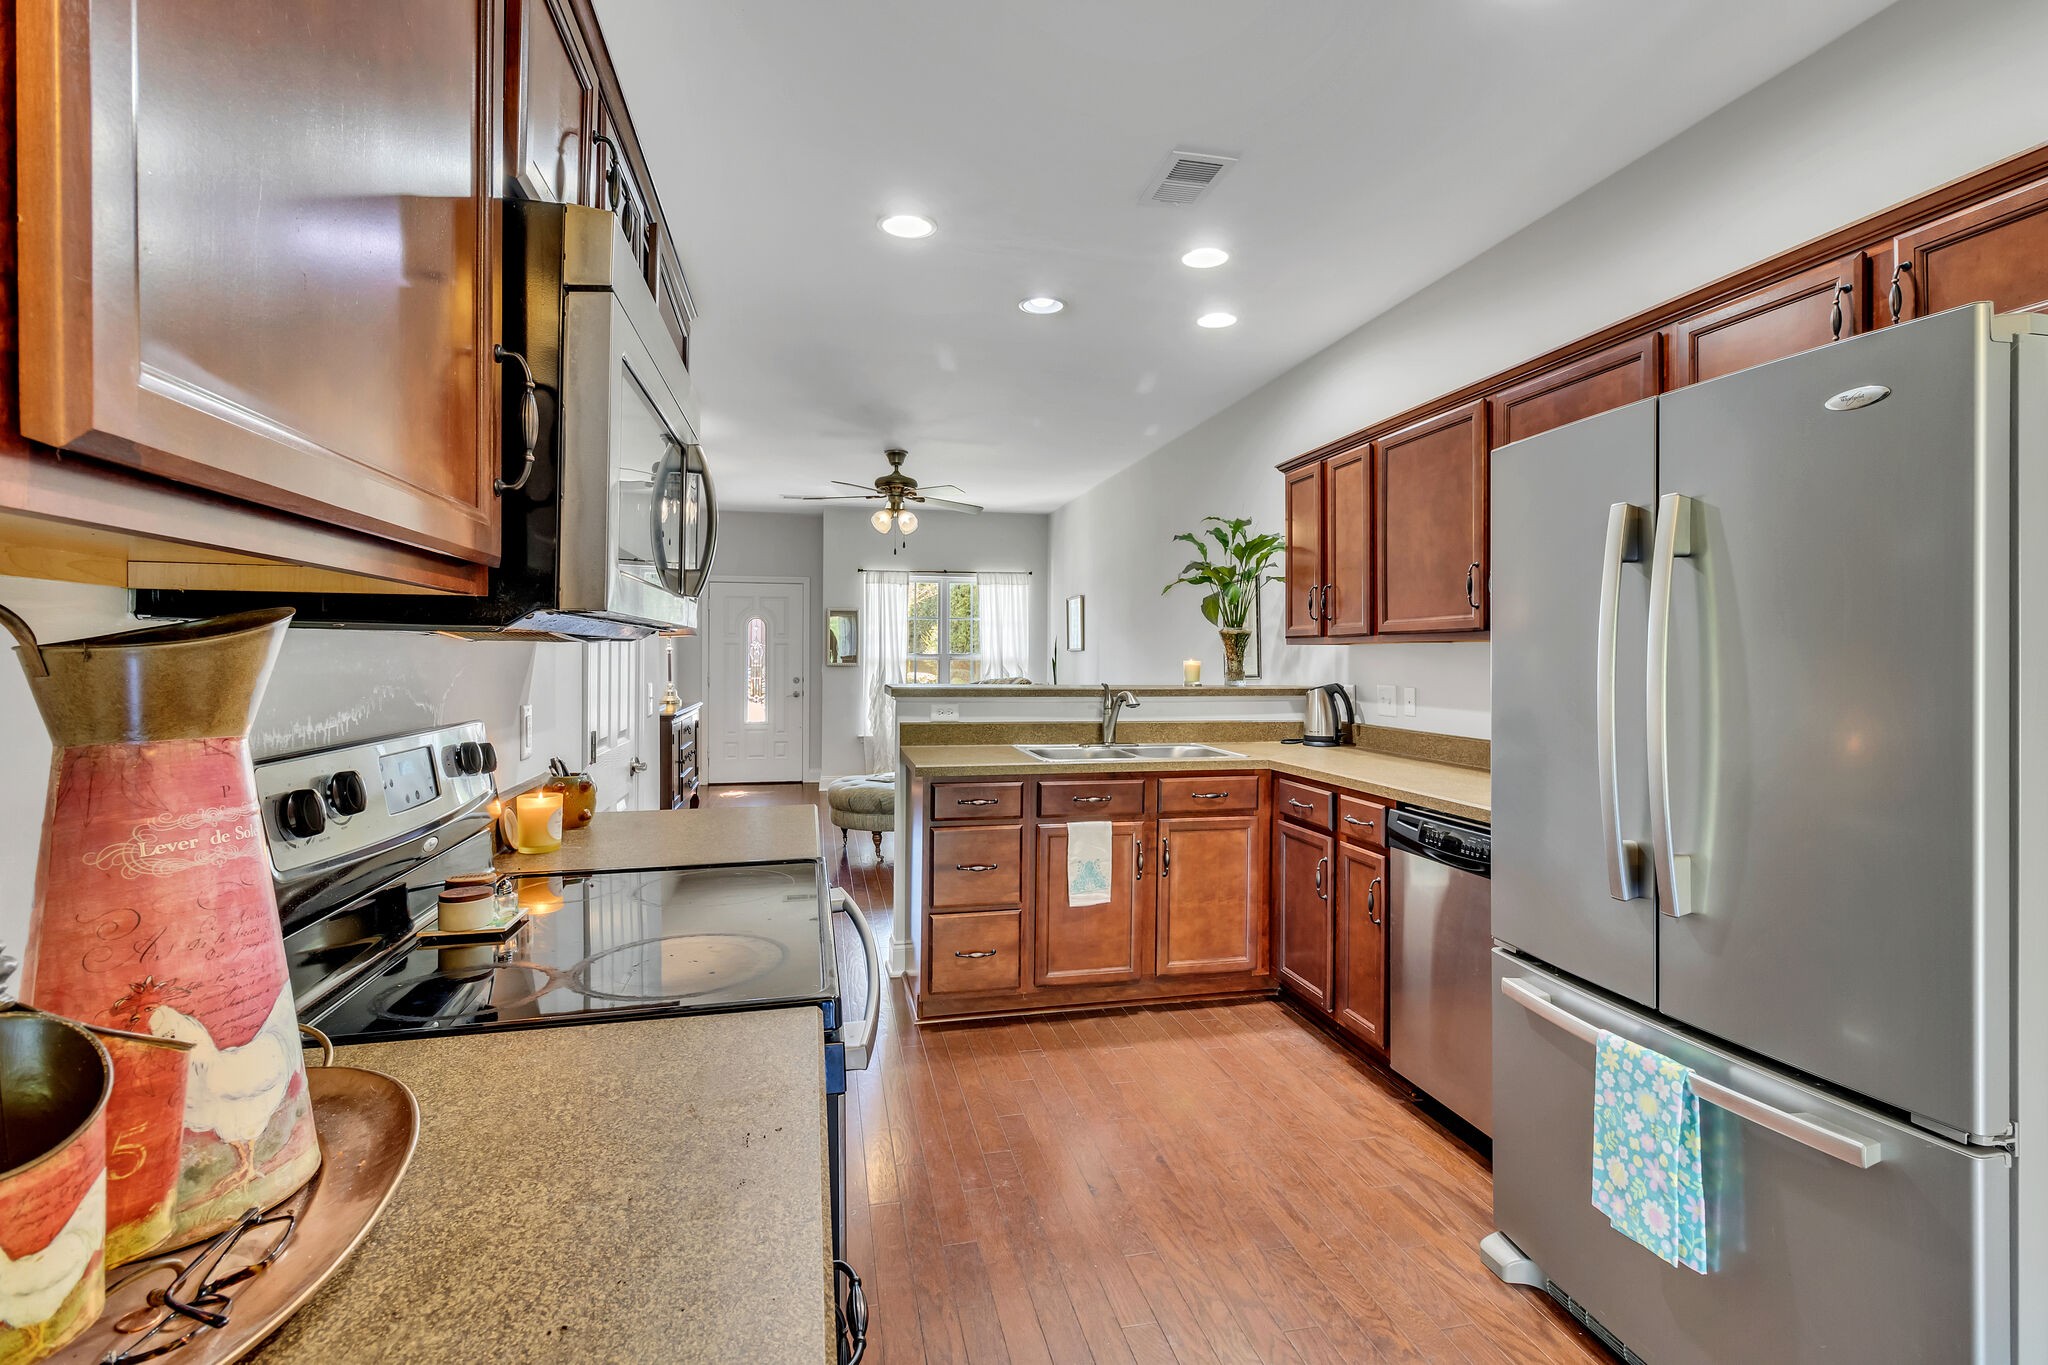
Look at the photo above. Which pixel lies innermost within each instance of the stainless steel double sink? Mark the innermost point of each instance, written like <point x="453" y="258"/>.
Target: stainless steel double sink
<point x="1120" y="753"/>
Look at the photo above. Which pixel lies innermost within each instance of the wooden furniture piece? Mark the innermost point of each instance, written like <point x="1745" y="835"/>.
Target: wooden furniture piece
<point x="1329" y="547"/>
<point x="1331" y="905"/>
<point x="1187" y="916"/>
<point x="1984" y="236"/>
<point x="677" y="745"/>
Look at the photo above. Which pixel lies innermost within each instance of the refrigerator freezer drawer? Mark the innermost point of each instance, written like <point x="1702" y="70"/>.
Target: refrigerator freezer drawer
<point x="1818" y="1256"/>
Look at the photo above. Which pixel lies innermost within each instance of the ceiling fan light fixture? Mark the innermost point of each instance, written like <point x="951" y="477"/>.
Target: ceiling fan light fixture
<point x="909" y="225"/>
<point x="880" y="520"/>
<point x="906" y="521"/>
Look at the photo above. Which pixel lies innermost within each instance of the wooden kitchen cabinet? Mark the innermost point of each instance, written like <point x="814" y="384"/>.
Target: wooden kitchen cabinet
<point x="620" y="190"/>
<point x="1093" y="944"/>
<point x="1360" y="989"/>
<point x="1212" y="894"/>
<point x="550" y="104"/>
<point x="1996" y="251"/>
<point x="1430" y="536"/>
<point x="1302" y="912"/>
<point x="1329" y="547"/>
<point x="1304" y="551"/>
<point x="1612" y="378"/>
<point x="1780" y="319"/>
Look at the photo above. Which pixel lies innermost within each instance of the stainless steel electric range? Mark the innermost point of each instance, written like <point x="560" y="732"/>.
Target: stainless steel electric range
<point x="363" y="838"/>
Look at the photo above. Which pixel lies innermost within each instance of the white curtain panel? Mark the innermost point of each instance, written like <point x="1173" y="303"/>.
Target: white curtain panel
<point x="1005" y="624"/>
<point x="884" y="645"/>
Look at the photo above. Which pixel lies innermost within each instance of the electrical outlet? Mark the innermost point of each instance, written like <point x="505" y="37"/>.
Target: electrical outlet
<point x="945" y="711"/>
<point x="526" y="732"/>
<point x="1386" y="699"/>
<point x="1407" y="701"/>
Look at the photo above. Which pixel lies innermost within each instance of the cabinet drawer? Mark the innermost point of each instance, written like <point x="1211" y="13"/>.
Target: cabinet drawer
<point x="977" y="800"/>
<point x="1092" y="798"/>
<point x="1301" y="802"/>
<point x="1208" y="795"/>
<point x="977" y="866"/>
<point x="978" y="951"/>
<point x="1362" y="820"/>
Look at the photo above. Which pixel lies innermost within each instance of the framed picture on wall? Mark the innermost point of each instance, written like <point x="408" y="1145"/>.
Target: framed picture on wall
<point x="1077" y="623"/>
<point x="842" y="638"/>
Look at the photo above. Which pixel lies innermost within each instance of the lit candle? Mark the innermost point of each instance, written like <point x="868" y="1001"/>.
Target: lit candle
<point x="540" y="895"/>
<point x="537" y="821"/>
<point x="1191" y="673"/>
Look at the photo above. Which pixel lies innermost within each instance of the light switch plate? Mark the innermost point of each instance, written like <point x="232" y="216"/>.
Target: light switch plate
<point x="526" y="731"/>
<point x="1407" y="701"/>
<point x="945" y="711"/>
<point x="1386" y="699"/>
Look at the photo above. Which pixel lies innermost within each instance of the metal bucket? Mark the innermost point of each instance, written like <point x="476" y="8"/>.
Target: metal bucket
<point x="55" y="1080"/>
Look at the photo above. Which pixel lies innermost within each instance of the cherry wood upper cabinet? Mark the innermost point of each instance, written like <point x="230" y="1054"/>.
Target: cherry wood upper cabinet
<point x="1302" y="911"/>
<point x="256" y="242"/>
<point x="1361" y="939"/>
<point x="1345" y="606"/>
<point x="550" y="104"/>
<point x="619" y="188"/>
<point x="1431" y="533"/>
<point x="1304" y="551"/>
<point x="1212" y="894"/>
<point x="1092" y="944"/>
<point x="1997" y="250"/>
<point x="1611" y="378"/>
<point x="1781" y="319"/>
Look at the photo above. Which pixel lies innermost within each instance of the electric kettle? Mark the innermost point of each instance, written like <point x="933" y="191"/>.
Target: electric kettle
<point x="1323" y="729"/>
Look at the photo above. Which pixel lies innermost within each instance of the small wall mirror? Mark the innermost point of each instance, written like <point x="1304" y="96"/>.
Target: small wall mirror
<point x="842" y="638"/>
<point x="1077" y="623"/>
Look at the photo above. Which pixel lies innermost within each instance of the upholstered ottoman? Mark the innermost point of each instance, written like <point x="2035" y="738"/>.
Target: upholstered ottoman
<point x="867" y="803"/>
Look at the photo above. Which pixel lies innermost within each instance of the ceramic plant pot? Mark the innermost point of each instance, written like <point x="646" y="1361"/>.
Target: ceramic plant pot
<point x="1233" y="654"/>
<point x="154" y="912"/>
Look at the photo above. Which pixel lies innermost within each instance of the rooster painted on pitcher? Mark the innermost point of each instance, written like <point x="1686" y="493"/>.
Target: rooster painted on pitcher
<point x="154" y="913"/>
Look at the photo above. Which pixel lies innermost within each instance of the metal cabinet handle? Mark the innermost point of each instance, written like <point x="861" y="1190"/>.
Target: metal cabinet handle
<point x="1835" y="315"/>
<point x="1808" y="1132"/>
<point x="1325" y="600"/>
<point x="985" y="952"/>
<point x="977" y="801"/>
<point x="613" y="176"/>
<point x="1208" y="796"/>
<point x="1897" y="297"/>
<point x="976" y="867"/>
<point x="1624" y="546"/>
<point x="1141" y="860"/>
<point x="1312" y="603"/>
<point x="1674" y="542"/>
<point x="1089" y="800"/>
<point x="529" y="420"/>
<point x="1471" y="574"/>
<point x="1299" y="805"/>
<point x="1165" y="856"/>
<point x="1372" y="897"/>
<point x="1354" y="820"/>
<point x="1322" y="892"/>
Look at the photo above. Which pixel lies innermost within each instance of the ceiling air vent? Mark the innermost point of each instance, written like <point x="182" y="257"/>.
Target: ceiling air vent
<point x="1185" y="177"/>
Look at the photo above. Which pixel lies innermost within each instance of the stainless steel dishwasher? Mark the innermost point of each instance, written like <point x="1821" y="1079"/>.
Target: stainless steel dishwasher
<point x="1440" y="1030"/>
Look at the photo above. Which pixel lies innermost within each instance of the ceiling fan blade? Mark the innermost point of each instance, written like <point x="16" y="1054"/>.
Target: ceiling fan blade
<point x="950" y="505"/>
<point x="832" y="497"/>
<point x="935" y="487"/>
<point x="866" y="488"/>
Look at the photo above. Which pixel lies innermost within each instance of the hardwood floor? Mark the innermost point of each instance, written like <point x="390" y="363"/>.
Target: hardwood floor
<point x="1161" y="1186"/>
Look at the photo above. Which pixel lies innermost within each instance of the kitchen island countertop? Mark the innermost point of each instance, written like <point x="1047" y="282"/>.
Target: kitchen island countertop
<point x="621" y="841"/>
<point x="646" y="1190"/>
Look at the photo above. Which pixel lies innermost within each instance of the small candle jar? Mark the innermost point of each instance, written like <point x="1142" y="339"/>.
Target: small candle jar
<point x="1191" y="673"/>
<point x="537" y="822"/>
<point x="468" y="907"/>
<point x="540" y="895"/>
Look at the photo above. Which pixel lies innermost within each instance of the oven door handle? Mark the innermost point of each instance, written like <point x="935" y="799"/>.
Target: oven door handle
<point x="857" y="1052"/>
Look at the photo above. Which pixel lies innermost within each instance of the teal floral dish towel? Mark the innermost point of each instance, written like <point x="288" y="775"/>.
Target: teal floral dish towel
<point x="1088" y="858"/>
<point x="1647" y="1176"/>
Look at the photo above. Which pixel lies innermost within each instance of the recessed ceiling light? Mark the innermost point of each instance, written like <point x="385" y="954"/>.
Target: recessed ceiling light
<point x="1041" y="304"/>
<point x="1205" y="257"/>
<point x="1216" y="320"/>
<point x="908" y="225"/>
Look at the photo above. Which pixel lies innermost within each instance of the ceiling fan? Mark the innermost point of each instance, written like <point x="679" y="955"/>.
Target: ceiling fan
<point x="894" y="488"/>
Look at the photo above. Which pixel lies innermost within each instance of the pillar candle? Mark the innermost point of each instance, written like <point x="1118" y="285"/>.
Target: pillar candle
<point x="537" y="821"/>
<point x="1191" y="672"/>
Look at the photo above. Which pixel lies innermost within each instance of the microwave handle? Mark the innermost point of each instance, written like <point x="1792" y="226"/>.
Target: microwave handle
<point x="694" y="579"/>
<point x="673" y="466"/>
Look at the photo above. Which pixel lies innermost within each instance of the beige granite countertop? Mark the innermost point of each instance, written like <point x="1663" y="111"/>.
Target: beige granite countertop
<point x="949" y="690"/>
<point x="647" y="1190"/>
<point x="1445" y="787"/>
<point x="715" y="835"/>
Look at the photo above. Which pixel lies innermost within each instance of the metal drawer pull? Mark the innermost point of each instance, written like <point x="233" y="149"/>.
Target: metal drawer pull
<point x="1847" y="1148"/>
<point x="1089" y="800"/>
<point x="1354" y="820"/>
<point x="1299" y="805"/>
<point x="1372" y="899"/>
<point x="1322" y="864"/>
<point x="977" y="801"/>
<point x="985" y="952"/>
<point x="976" y="867"/>
<point x="1209" y="796"/>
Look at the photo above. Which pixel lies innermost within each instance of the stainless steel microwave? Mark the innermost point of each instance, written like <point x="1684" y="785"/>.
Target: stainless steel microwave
<point x="608" y="512"/>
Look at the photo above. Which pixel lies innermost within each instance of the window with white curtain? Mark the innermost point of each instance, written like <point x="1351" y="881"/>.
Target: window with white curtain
<point x="944" y="643"/>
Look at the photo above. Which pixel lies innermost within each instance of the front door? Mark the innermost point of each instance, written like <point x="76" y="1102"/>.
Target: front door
<point x="754" y="688"/>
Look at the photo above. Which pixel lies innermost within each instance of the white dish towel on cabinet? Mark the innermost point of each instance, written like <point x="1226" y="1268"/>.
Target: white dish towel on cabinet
<point x="1088" y="862"/>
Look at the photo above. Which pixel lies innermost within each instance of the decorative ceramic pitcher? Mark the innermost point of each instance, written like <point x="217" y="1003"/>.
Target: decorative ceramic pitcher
<point x="154" y="911"/>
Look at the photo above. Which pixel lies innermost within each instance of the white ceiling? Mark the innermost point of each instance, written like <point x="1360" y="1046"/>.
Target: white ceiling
<point x="1383" y="143"/>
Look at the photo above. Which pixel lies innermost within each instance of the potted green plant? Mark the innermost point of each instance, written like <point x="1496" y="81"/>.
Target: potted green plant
<point x="1244" y="566"/>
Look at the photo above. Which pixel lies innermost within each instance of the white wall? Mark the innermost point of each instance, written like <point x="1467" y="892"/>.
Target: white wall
<point x="329" y="687"/>
<point x="1926" y="91"/>
<point x="989" y="543"/>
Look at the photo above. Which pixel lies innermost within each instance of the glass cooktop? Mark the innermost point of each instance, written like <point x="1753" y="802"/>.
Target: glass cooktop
<point x="610" y="945"/>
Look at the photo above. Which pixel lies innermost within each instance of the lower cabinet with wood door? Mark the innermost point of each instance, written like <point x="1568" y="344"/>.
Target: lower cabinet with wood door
<point x="1331" y="907"/>
<point x="1186" y="914"/>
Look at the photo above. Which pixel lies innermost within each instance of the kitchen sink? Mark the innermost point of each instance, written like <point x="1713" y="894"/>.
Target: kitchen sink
<point x="1119" y="753"/>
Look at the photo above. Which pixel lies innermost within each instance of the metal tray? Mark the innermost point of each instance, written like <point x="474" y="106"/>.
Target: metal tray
<point x="368" y="1124"/>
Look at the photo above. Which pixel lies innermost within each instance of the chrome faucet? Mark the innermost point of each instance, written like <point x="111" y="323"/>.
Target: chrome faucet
<point x="1113" y="704"/>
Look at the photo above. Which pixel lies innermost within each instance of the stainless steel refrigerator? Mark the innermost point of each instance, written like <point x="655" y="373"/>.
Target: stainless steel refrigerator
<point x="1768" y="674"/>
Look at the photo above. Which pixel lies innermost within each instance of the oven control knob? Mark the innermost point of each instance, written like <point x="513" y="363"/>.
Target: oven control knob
<point x="490" y="753"/>
<point x="346" y="793"/>
<point x="300" y="813"/>
<point x="469" y="758"/>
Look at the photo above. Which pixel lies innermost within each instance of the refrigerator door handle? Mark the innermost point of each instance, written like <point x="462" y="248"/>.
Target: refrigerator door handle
<point x="1624" y="546"/>
<point x="1847" y="1148"/>
<point x="1673" y="543"/>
